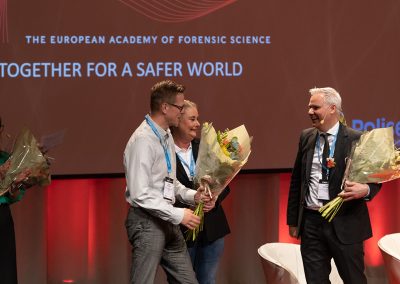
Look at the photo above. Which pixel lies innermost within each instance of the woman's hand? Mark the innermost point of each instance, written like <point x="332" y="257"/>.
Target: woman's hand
<point x="18" y="181"/>
<point x="4" y="168"/>
<point x="209" y="205"/>
<point x="22" y="176"/>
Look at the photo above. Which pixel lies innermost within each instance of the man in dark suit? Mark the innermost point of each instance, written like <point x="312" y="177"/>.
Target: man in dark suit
<point x="316" y="178"/>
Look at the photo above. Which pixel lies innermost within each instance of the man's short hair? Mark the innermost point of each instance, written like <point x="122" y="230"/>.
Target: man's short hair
<point x="330" y="95"/>
<point x="164" y="92"/>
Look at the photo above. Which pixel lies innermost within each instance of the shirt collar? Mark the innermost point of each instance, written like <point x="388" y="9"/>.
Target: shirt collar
<point x="180" y="150"/>
<point x="332" y="131"/>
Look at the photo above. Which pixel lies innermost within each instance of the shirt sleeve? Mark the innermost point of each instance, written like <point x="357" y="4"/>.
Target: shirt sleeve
<point x="143" y="188"/>
<point x="184" y="194"/>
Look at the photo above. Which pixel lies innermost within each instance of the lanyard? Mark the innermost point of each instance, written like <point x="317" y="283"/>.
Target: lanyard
<point x="331" y="150"/>
<point x="166" y="151"/>
<point x="192" y="165"/>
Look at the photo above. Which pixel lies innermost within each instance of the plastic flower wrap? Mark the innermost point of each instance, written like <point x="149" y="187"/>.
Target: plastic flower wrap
<point x="374" y="159"/>
<point x="26" y="156"/>
<point x="221" y="156"/>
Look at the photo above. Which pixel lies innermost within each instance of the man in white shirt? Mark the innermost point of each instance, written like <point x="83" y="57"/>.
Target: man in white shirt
<point x="152" y="188"/>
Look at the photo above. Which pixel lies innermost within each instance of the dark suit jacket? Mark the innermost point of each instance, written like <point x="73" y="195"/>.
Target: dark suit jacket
<point x="352" y="223"/>
<point x="215" y="223"/>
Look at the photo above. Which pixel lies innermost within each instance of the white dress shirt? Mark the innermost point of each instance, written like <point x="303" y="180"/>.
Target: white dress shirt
<point x="146" y="169"/>
<point x="186" y="155"/>
<point x="312" y="200"/>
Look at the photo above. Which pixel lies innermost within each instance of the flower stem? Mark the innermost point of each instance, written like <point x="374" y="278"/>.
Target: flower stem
<point x="193" y="233"/>
<point x="330" y="209"/>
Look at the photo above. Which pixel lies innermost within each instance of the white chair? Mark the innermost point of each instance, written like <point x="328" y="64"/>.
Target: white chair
<point x="389" y="246"/>
<point x="282" y="263"/>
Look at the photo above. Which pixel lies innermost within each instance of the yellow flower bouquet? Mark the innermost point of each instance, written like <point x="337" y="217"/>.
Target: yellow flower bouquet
<point x="221" y="156"/>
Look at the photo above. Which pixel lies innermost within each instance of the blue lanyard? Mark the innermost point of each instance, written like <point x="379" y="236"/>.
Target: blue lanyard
<point x="192" y="165"/>
<point x="166" y="152"/>
<point x="331" y="150"/>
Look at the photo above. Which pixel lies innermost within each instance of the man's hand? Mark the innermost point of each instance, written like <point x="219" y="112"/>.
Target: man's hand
<point x="189" y="219"/>
<point x="354" y="190"/>
<point x="293" y="232"/>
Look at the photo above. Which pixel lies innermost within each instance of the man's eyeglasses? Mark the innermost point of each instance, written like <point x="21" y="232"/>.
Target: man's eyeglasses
<point x="178" y="107"/>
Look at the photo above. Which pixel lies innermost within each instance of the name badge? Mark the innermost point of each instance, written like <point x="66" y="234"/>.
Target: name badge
<point x="323" y="190"/>
<point x="169" y="189"/>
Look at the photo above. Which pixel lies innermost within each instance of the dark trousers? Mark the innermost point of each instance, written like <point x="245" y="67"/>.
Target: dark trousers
<point x="319" y="244"/>
<point x="8" y="260"/>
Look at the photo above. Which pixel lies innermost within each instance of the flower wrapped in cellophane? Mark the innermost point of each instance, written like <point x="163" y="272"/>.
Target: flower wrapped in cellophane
<point x="221" y="156"/>
<point x="26" y="157"/>
<point x="374" y="159"/>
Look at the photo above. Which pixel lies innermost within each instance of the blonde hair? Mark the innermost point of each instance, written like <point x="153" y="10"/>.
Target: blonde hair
<point x="188" y="104"/>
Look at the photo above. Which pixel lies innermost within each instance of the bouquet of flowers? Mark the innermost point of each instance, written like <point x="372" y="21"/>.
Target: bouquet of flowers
<point x="26" y="156"/>
<point x="221" y="156"/>
<point x="373" y="159"/>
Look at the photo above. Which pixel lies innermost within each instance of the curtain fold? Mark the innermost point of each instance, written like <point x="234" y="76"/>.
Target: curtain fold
<point x="74" y="230"/>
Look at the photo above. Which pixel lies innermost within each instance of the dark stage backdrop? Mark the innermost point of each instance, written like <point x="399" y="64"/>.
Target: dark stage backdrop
<point x="82" y="70"/>
<point x="73" y="231"/>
